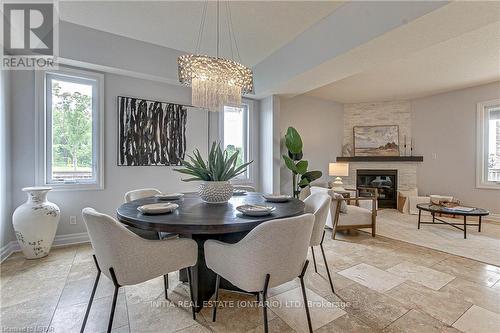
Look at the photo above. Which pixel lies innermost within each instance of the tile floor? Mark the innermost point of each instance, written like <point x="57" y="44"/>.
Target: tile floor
<point x="382" y="285"/>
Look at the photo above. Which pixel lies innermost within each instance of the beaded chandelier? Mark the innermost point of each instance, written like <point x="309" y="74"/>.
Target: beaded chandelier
<point x="215" y="81"/>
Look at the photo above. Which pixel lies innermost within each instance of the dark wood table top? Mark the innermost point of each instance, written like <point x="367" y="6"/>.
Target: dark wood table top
<point x="440" y="209"/>
<point x="196" y="217"/>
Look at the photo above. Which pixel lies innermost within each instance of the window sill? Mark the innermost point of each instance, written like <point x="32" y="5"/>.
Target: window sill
<point x="75" y="187"/>
<point x="488" y="186"/>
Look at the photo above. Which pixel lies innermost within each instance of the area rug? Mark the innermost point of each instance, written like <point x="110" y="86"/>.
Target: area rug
<point x="483" y="246"/>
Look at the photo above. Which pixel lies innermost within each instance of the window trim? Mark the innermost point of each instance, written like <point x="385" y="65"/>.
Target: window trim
<point x="42" y="131"/>
<point x="251" y="178"/>
<point x="482" y="139"/>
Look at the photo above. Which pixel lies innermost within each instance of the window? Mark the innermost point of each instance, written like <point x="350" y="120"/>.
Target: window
<point x="71" y="130"/>
<point x="235" y="135"/>
<point x="488" y="157"/>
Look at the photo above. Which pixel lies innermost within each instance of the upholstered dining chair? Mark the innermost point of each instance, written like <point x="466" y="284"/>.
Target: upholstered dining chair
<point x="148" y="234"/>
<point x="247" y="188"/>
<point x="271" y="254"/>
<point x="140" y="194"/>
<point x="319" y="205"/>
<point x="129" y="259"/>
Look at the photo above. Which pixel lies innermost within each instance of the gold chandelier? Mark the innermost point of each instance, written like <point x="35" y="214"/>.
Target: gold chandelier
<point x="215" y="81"/>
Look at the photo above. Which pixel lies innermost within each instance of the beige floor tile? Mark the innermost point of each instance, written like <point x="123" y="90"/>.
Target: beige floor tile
<point x="79" y="291"/>
<point x="488" y="298"/>
<point x="415" y="321"/>
<point x="443" y="305"/>
<point x="425" y="276"/>
<point x="283" y="288"/>
<point x="470" y="270"/>
<point x="235" y="313"/>
<point x="197" y="328"/>
<point x="373" y="308"/>
<point x="318" y="282"/>
<point x="28" y="315"/>
<point x="275" y="325"/>
<point x="146" y="291"/>
<point x="289" y="306"/>
<point x="70" y="318"/>
<point x="40" y="269"/>
<point x="84" y="253"/>
<point x="347" y="324"/>
<point x="478" y="320"/>
<point x="26" y="288"/>
<point x="372" y="277"/>
<point x="123" y="329"/>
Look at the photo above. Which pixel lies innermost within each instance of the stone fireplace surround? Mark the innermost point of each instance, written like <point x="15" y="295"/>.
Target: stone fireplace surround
<point x="381" y="113"/>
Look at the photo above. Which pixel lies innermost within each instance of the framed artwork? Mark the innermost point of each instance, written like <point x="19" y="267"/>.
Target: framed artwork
<point x="155" y="133"/>
<point x="376" y="140"/>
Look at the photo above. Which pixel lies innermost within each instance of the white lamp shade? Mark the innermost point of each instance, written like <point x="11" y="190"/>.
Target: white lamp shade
<point x="338" y="169"/>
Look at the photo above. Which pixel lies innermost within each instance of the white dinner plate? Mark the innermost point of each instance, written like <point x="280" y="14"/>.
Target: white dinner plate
<point x="239" y="192"/>
<point x="276" y="197"/>
<point x="169" y="196"/>
<point x="158" y="208"/>
<point x="255" y="210"/>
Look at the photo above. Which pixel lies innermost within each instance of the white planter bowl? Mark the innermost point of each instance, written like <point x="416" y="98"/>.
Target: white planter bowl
<point x="215" y="192"/>
<point x="35" y="223"/>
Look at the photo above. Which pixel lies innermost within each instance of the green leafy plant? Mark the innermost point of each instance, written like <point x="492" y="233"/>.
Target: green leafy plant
<point x="220" y="166"/>
<point x="294" y="162"/>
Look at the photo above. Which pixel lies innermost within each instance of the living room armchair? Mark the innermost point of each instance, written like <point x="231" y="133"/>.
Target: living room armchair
<point x="355" y="217"/>
<point x="343" y="216"/>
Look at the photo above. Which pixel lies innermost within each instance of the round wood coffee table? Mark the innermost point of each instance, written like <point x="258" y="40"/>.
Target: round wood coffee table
<point x="201" y="221"/>
<point x="435" y="209"/>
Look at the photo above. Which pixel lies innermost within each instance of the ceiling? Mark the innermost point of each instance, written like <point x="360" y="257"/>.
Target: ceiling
<point x="261" y="27"/>
<point x="467" y="60"/>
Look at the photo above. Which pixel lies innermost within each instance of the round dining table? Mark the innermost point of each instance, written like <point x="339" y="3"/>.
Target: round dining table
<point x="201" y="221"/>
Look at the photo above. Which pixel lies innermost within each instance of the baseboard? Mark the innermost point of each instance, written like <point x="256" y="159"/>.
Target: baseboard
<point x="59" y="240"/>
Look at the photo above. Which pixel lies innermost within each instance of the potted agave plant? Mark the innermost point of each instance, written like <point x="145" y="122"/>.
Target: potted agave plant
<point x="214" y="173"/>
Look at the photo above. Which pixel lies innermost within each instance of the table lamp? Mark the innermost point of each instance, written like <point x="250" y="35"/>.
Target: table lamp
<point x="338" y="170"/>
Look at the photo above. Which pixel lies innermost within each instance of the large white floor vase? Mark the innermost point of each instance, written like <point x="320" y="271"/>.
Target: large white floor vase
<point x="216" y="192"/>
<point x="35" y="223"/>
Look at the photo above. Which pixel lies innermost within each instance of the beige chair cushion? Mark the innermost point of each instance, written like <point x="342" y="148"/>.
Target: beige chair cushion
<point x="304" y="193"/>
<point x="414" y="201"/>
<point x="355" y="216"/>
<point x="277" y="247"/>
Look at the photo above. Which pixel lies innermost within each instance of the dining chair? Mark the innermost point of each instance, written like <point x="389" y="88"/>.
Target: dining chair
<point x="129" y="259"/>
<point x="247" y="188"/>
<point x="273" y="253"/>
<point x="153" y="235"/>
<point x="319" y="205"/>
<point x="140" y="194"/>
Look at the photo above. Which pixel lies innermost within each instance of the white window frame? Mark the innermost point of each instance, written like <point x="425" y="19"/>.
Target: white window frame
<point x="250" y="177"/>
<point x="482" y="146"/>
<point x="43" y="131"/>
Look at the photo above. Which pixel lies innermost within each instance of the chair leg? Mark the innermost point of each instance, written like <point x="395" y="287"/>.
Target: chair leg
<point x="91" y="295"/>
<point x="314" y="260"/>
<point x="115" y="295"/>
<point x="190" y="282"/>
<point x="165" y="284"/>
<point x="214" y="309"/>
<point x="304" y="296"/>
<point x="264" y="303"/>
<point x="327" y="269"/>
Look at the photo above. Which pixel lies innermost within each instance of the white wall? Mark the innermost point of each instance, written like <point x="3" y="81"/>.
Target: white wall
<point x="118" y="180"/>
<point x="269" y="143"/>
<point x="445" y="125"/>
<point x="320" y="124"/>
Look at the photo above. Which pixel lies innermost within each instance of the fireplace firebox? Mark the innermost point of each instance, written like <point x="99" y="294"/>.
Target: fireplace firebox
<point x="385" y="181"/>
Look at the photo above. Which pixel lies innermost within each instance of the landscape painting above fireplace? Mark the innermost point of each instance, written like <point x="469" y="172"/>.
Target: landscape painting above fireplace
<point x="376" y="140"/>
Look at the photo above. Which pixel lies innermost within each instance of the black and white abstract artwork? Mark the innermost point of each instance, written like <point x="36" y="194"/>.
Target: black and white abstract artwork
<point x="151" y="132"/>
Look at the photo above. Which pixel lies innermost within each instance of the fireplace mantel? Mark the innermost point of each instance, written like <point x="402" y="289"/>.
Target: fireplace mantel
<point x="380" y="159"/>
